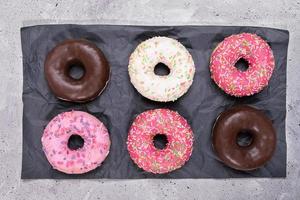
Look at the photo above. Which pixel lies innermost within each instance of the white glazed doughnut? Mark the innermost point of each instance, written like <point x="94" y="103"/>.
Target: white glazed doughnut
<point x="169" y="52"/>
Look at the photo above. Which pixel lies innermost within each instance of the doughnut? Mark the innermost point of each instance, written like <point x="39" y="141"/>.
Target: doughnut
<point x="169" y="52"/>
<point x="80" y="124"/>
<point x="251" y="48"/>
<point x="140" y="142"/>
<point x="243" y="119"/>
<point x="82" y="53"/>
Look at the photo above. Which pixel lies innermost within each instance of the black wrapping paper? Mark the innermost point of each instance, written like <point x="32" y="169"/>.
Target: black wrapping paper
<point x="120" y="103"/>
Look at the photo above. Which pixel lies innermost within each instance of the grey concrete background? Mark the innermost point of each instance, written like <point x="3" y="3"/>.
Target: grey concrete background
<point x="14" y="14"/>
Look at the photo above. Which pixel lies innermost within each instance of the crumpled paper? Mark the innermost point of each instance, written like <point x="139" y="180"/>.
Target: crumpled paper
<point x="120" y="103"/>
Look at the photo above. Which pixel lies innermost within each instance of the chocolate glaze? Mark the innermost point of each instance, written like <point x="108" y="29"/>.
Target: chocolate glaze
<point x="225" y="132"/>
<point x="76" y="52"/>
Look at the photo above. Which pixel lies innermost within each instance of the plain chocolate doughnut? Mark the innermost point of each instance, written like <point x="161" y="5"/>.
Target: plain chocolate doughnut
<point x="76" y="52"/>
<point x="226" y="130"/>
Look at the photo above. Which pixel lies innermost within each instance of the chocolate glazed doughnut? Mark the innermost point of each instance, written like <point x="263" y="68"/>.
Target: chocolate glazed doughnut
<point x="238" y="120"/>
<point x="81" y="53"/>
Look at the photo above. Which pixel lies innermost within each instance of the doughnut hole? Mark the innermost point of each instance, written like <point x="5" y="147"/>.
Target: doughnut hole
<point x="160" y="141"/>
<point x="242" y="65"/>
<point x="75" y="142"/>
<point x="76" y="70"/>
<point x="161" y="69"/>
<point x="244" y="138"/>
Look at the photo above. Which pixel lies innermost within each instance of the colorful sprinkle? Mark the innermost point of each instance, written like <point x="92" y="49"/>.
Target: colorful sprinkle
<point x="161" y="50"/>
<point x="160" y="121"/>
<point x="95" y="148"/>
<point x="251" y="48"/>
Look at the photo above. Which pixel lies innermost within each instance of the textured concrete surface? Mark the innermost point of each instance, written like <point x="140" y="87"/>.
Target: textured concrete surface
<point x="14" y="14"/>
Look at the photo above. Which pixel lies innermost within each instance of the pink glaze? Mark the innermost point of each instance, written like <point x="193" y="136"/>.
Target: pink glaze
<point x="91" y="155"/>
<point x="253" y="49"/>
<point x="160" y="121"/>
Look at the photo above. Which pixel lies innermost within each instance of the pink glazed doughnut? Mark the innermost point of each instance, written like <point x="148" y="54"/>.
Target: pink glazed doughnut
<point x="160" y="121"/>
<point x="253" y="49"/>
<point x="89" y="156"/>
